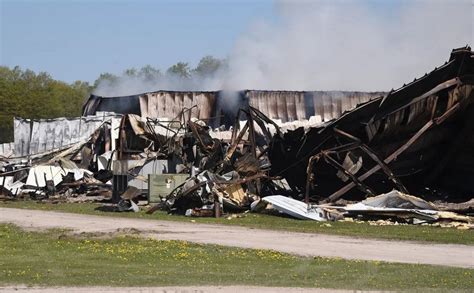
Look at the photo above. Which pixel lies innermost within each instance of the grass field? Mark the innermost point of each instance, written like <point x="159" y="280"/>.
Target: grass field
<point x="401" y="232"/>
<point x="55" y="258"/>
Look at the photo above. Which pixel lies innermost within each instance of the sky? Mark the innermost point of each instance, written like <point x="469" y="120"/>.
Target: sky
<point x="77" y="40"/>
<point x="299" y="44"/>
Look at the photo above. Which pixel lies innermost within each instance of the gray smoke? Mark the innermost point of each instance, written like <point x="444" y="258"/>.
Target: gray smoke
<point x="334" y="45"/>
<point x="344" y="45"/>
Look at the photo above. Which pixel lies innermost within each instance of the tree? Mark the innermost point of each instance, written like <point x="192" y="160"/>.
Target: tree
<point x="131" y="72"/>
<point x="208" y="66"/>
<point x="149" y="73"/>
<point x="107" y="77"/>
<point x="180" y="69"/>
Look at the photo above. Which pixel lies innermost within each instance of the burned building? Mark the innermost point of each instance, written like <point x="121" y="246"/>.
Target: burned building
<point x="202" y="153"/>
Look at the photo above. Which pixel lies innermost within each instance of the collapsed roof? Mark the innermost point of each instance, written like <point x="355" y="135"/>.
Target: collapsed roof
<point x="417" y="137"/>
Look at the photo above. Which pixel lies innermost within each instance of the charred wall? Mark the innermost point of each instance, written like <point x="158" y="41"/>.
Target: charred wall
<point x="220" y="107"/>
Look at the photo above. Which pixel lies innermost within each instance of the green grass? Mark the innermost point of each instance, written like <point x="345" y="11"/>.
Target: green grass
<point x="402" y="232"/>
<point x="55" y="258"/>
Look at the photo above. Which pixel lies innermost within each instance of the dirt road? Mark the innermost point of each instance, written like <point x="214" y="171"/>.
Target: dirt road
<point x="304" y="244"/>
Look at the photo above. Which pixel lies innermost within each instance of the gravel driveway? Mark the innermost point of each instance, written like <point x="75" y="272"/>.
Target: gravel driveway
<point x="304" y="244"/>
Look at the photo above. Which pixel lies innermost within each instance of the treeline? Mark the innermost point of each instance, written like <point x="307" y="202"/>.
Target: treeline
<point x="26" y="94"/>
<point x="207" y="67"/>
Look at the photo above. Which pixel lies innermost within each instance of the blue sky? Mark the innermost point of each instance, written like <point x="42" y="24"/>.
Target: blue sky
<point x="77" y="40"/>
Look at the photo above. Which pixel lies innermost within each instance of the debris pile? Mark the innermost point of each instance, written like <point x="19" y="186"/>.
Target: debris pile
<point x="226" y="175"/>
<point x="322" y="156"/>
<point x="62" y="172"/>
<point x="402" y="208"/>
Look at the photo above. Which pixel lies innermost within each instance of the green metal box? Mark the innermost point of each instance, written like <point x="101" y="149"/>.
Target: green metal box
<point x="160" y="185"/>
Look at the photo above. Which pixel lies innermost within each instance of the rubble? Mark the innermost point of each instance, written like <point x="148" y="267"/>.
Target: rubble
<point x="403" y="207"/>
<point x="197" y="154"/>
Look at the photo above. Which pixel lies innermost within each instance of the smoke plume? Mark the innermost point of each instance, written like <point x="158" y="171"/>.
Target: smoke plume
<point x="334" y="45"/>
